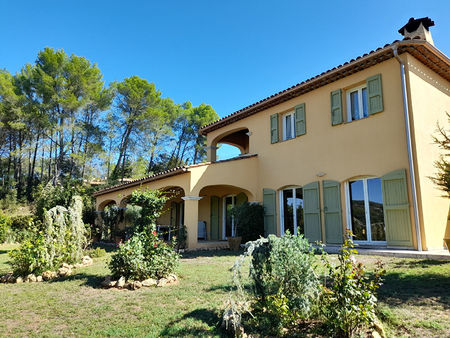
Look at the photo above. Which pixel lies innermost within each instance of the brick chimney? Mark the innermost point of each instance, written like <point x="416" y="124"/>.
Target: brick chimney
<point x="417" y="29"/>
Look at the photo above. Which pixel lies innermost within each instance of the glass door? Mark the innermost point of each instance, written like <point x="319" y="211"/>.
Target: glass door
<point x="228" y="219"/>
<point x="292" y="211"/>
<point x="366" y="211"/>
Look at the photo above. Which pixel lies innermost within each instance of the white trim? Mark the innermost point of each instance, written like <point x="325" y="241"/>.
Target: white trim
<point x="192" y="198"/>
<point x="360" y="102"/>
<point x="224" y="216"/>
<point x="366" y="211"/>
<point x="283" y="123"/>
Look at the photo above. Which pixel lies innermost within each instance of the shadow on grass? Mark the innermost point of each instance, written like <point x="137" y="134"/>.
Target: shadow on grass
<point x="109" y="247"/>
<point x="2" y="252"/>
<point x="94" y="281"/>
<point x="185" y="325"/>
<point x="425" y="263"/>
<point x="210" y="253"/>
<point x="420" y="289"/>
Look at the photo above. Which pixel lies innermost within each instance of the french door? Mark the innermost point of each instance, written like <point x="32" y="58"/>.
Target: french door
<point x="228" y="220"/>
<point x="365" y="212"/>
<point x="291" y="210"/>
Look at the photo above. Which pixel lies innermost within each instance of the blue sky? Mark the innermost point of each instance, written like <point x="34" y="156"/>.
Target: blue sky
<point x="228" y="54"/>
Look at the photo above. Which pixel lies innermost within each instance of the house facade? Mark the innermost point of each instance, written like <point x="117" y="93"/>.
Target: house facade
<point x="351" y="148"/>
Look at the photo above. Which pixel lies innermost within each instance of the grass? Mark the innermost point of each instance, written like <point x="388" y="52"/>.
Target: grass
<point x="414" y="301"/>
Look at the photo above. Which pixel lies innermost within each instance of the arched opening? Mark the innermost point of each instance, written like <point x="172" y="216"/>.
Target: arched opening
<point x="230" y="144"/>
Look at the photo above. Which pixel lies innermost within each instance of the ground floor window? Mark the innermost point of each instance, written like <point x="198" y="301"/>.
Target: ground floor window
<point x="291" y="207"/>
<point x="365" y="210"/>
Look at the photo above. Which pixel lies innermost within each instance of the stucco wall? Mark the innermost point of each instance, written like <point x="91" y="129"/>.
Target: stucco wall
<point x="373" y="146"/>
<point x="429" y="102"/>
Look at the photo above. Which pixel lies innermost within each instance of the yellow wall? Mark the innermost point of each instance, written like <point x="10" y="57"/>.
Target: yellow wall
<point x="373" y="146"/>
<point x="429" y="101"/>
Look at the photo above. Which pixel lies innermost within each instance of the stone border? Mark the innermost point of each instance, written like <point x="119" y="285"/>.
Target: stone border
<point x="130" y="284"/>
<point x="65" y="270"/>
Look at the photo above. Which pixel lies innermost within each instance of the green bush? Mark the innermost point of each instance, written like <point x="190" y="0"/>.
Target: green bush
<point x="283" y="286"/>
<point x="62" y="240"/>
<point x="5" y="226"/>
<point x="96" y="253"/>
<point x="144" y="256"/>
<point x="349" y="303"/>
<point x="152" y="203"/>
<point x="249" y="219"/>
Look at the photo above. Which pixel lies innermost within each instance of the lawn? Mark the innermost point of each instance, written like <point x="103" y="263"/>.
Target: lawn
<point x="415" y="301"/>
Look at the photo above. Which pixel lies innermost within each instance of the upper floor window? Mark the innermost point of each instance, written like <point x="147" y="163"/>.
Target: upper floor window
<point x="288" y="126"/>
<point x="357" y="103"/>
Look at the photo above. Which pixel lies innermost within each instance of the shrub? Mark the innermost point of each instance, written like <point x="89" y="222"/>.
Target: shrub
<point x="249" y="220"/>
<point x="349" y="303"/>
<point x="62" y="239"/>
<point x="96" y="253"/>
<point x="144" y="256"/>
<point x="152" y="203"/>
<point x="283" y="286"/>
<point x="111" y="217"/>
<point x="5" y="226"/>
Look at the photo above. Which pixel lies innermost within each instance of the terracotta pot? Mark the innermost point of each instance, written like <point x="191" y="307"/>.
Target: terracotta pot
<point x="234" y="243"/>
<point x="447" y="242"/>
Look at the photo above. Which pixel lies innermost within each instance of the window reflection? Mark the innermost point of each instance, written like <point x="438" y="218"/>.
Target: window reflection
<point x="358" y="211"/>
<point x="293" y="220"/>
<point x="376" y="209"/>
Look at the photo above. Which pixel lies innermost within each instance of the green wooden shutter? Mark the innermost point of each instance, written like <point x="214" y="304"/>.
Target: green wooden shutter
<point x="173" y="213"/>
<point x="332" y="212"/>
<point x="274" y="128"/>
<point x="214" y="219"/>
<point x="396" y="209"/>
<point x="300" y="120"/>
<point x="311" y="212"/>
<point x="270" y="212"/>
<point x="241" y="198"/>
<point x="374" y="94"/>
<point x="336" y="107"/>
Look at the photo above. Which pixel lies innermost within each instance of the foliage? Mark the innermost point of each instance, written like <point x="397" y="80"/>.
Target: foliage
<point x="442" y="177"/>
<point x="5" y="226"/>
<point x="152" y="203"/>
<point x="132" y="214"/>
<point x="283" y="286"/>
<point x="96" y="253"/>
<point x="349" y="303"/>
<point x="62" y="239"/>
<point x="249" y="221"/>
<point x="23" y="227"/>
<point x="111" y="218"/>
<point x="144" y="256"/>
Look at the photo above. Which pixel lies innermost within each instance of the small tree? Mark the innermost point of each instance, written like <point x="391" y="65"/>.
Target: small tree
<point x="152" y="203"/>
<point x="249" y="221"/>
<point x="442" y="177"/>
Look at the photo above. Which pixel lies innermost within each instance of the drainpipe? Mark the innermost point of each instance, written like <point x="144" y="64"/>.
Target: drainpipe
<point x="412" y="175"/>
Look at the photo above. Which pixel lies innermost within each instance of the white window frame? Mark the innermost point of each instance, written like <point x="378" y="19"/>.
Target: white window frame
<point x="360" y="102"/>
<point x="292" y="117"/>
<point x="282" y="208"/>
<point x="367" y="211"/>
<point x="224" y="216"/>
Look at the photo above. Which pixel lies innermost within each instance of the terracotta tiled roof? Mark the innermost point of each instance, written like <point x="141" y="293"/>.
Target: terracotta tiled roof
<point x="420" y="49"/>
<point x="164" y="174"/>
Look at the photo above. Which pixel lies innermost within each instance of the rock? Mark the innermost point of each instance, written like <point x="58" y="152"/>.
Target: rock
<point x="7" y="278"/>
<point x="31" y="278"/>
<point x="374" y="334"/>
<point x="67" y="266"/>
<point x="64" y="271"/>
<point x="172" y="277"/>
<point x="86" y="261"/>
<point x="149" y="282"/>
<point x="39" y="279"/>
<point x="121" y="282"/>
<point x="162" y="282"/>
<point x="49" y="275"/>
<point x="19" y="280"/>
<point x="134" y="285"/>
<point x="378" y="326"/>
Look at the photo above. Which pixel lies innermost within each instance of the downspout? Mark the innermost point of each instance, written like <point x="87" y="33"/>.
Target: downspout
<point x="412" y="175"/>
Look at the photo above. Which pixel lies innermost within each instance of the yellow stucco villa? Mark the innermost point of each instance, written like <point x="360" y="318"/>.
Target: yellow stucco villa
<point x="350" y="148"/>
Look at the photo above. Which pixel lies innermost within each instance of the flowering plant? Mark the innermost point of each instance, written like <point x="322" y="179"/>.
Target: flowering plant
<point x="144" y="256"/>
